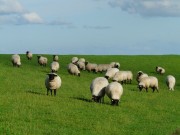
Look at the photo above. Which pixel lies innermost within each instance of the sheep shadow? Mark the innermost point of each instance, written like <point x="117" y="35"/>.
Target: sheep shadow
<point x="34" y="92"/>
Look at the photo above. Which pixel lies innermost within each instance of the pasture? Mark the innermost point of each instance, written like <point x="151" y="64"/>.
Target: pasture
<point x="26" y="109"/>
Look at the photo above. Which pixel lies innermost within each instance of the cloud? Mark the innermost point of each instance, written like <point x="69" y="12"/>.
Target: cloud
<point x="149" y="8"/>
<point x="12" y="12"/>
<point x="96" y="27"/>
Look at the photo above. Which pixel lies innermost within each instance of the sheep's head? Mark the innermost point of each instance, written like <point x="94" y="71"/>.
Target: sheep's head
<point x="107" y="77"/>
<point x="27" y="52"/>
<point x="96" y="98"/>
<point x="51" y="76"/>
<point x="140" y="73"/>
<point x="38" y="56"/>
<point x="140" y="86"/>
<point x="114" y="102"/>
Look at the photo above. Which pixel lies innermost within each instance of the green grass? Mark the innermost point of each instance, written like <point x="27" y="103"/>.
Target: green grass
<point x="26" y="109"/>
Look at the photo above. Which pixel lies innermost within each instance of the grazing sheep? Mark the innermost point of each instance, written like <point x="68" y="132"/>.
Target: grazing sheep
<point x="42" y="60"/>
<point x="97" y="88"/>
<point x="52" y="83"/>
<point x="81" y="65"/>
<point x="147" y="82"/>
<point x="16" y="60"/>
<point x="54" y="66"/>
<point x="117" y="65"/>
<point x="55" y="58"/>
<point x="114" y="91"/>
<point x="74" y="60"/>
<point x="140" y="75"/>
<point x="111" y="72"/>
<point x="90" y="66"/>
<point x="160" y="70"/>
<point x="170" y="81"/>
<point x="123" y="77"/>
<point x="73" y="69"/>
<point x="103" y="67"/>
<point x="29" y="55"/>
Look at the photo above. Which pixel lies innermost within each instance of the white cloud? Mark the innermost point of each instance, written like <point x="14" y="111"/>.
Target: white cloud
<point x="149" y="8"/>
<point x="12" y="12"/>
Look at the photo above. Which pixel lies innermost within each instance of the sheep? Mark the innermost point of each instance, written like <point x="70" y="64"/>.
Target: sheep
<point x="42" y="60"/>
<point x="160" y="70"/>
<point x="147" y="82"/>
<point x="115" y="64"/>
<point x="170" y="82"/>
<point x="114" y="91"/>
<point x="123" y="77"/>
<point x="103" y="67"/>
<point x="82" y="60"/>
<point x="74" y="60"/>
<point x="81" y="65"/>
<point x="73" y="69"/>
<point x="90" y="66"/>
<point x="110" y="73"/>
<point x="29" y="55"/>
<point x="140" y="75"/>
<point x="52" y="83"/>
<point x="97" y="88"/>
<point x="55" y="58"/>
<point x="54" y="66"/>
<point x="16" y="60"/>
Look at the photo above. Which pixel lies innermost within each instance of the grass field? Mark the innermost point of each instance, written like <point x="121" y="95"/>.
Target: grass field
<point x="25" y="109"/>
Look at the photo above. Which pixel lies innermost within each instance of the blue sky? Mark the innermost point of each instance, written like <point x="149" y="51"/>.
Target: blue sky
<point x="90" y="26"/>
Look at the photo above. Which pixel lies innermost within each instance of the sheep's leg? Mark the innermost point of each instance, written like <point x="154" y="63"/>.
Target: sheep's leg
<point x="51" y="92"/>
<point x="47" y="91"/>
<point x="146" y="89"/>
<point x="54" y="92"/>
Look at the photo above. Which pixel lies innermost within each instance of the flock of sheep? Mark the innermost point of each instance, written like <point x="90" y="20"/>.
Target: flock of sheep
<point x="100" y="85"/>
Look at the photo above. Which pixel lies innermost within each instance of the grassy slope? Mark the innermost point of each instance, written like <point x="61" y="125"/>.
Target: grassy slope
<point x="25" y="108"/>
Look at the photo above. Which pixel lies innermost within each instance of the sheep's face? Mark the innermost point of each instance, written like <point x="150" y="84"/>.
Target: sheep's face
<point x="140" y="86"/>
<point x="140" y="73"/>
<point x="27" y="52"/>
<point x="107" y="77"/>
<point x="38" y="57"/>
<point x="96" y="98"/>
<point x="114" y="102"/>
<point x="51" y="76"/>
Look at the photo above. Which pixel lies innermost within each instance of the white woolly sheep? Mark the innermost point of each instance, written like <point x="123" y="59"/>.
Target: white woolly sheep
<point x="52" y="83"/>
<point x="140" y="75"/>
<point x="74" y="60"/>
<point x="160" y="70"/>
<point x="55" y="58"/>
<point x="148" y="82"/>
<point x="97" y="88"/>
<point x="29" y="55"/>
<point x="90" y="66"/>
<point x="42" y="60"/>
<point x="81" y="65"/>
<point x="103" y="67"/>
<point x="54" y="66"/>
<point x="111" y="72"/>
<point x="73" y="69"/>
<point x="114" y="91"/>
<point x="123" y="77"/>
<point x="16" y="60"/>
<point x="170" y="81"/>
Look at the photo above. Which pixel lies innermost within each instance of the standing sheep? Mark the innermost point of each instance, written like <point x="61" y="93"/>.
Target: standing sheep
<point x="140" y="75"/>
<point x="73" y="69"/>
<point x="160" y="70"/>
<point x="111" y="72"/>
<point x="42" y="60"/>
<point x="55" y="58"/>
<point x="114" y="91"/>
<point x="16" y="60"/>
<point x="90" y="66"/>
<point x="147" y="82"/>
<point x="170" y="81"/>
<point x="123" y="77"/>
<point x="29" y="55"/>
<point x="54" y="66"/>
<point x="52" y="83"/>
<point x="97" y="88"/>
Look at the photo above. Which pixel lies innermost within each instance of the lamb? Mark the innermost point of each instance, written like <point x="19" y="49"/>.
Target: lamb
<point x="74" y="60"/>
<point x="52" y="83"/>
<point x="123" y="77"/>
<point x="16" y="60"/>
<point x="42" y="60"/>
<point x="97" y="88"/>
<point x="170" y="81"/>
<point x="160" y="70"/>
<point x="140" y="75"/>
<point x="111" y="72"/>
<point x="54" y="66"/>
<point x="55" y="58"/>
<point x="29" y="55"/>
<point x="90" y="66"/>
<point x="147" y="82"/>
<point x="73" y="69"/>
<point x="114" y="91"/>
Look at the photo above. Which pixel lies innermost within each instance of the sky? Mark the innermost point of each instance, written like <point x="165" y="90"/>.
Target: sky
<point x="97" y="27"/>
